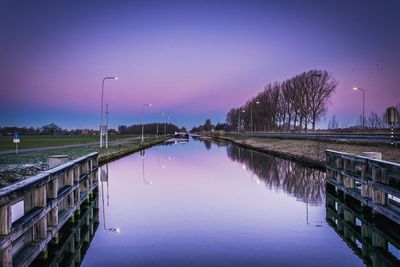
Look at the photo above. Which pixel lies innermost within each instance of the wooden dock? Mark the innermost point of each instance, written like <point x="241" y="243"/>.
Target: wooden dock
<point x="34" y="210"/>
<point x="374" y="183"/>
<point x="376" y="242"/>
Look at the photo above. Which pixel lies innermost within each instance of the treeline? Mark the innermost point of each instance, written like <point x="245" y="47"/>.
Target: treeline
<point x="48" y="129"/>
<point x="208" y="127"/>
<point x="294" y="104"/>
<point x="372" y="121"/>
<point x="150" y="128"/>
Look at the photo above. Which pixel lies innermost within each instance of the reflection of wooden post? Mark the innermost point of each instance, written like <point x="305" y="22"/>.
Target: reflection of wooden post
<point x="378" y="197"/>
<point x="379" y="241"/>
<point x="366" y="191"/>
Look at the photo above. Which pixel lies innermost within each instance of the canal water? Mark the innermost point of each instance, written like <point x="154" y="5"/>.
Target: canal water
<point x="208" y="203"/>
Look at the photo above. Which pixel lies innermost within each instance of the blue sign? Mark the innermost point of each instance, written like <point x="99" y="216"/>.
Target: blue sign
<point x="16" y="135"/>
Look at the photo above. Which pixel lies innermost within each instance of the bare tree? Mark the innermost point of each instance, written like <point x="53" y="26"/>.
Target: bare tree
<point x="320" y="89"/>
<point x="301" y="100"/>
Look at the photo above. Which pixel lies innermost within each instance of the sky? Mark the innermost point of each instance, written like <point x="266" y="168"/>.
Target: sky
<point x="191" y="60"/>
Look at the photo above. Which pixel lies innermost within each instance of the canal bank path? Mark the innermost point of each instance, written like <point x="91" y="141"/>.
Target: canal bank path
<point x="308" y="152"/>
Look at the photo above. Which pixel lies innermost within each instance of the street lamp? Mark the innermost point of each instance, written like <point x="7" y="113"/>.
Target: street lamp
<point x="239" y="120"/>
<point x="165" y="127"/>
<point x="251" y="114"/>
<point x="363" y="91"/>
<point x="145" y="105"/>
<point x="101" y="113"/>
<point x="162" y="114"/>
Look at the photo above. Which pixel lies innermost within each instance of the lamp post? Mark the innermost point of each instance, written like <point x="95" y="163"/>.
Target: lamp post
<point x="251" y="114"/>
<point x="363" y="114"/>
<point x="162" y="114"/>
<point x="165" y="132"/>
<point x="145" y="105"/>
<point x="239" y="120"/>
<point x="102" y="104"/>
<point x="165" y="126"/>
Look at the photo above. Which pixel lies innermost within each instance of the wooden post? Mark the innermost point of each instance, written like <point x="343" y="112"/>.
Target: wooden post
<point x="52" y="188"/>
<point x="69" y="178"/>
<point x="77" y="173"/>
<point x="53" y="217"/>
<point x="39" y="197"/>
<point x="5" y="219"/>
<point x="41" y="228"/>
<point x="376" y="174"/>
<point x="70" y="201"/>
<point x="6" y="257"/>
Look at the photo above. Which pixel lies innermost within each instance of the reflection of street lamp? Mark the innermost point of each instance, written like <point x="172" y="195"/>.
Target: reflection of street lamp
<point x="362" y="90"/>
<point x="257" y="181"/>
<point x="251" y="114"/>
<point x="239" y="120"/>
<point x="101" y="112"/>
<point x="143" y="174"/>
<point x="114" y="230"/>
<point x="145" y="105"/>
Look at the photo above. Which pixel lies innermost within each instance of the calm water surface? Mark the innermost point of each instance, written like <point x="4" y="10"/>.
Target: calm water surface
<point x="213" y="204"/>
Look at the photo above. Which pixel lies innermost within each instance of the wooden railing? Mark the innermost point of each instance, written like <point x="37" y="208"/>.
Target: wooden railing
<point x="375" y="183"/>
<point x="74" y="238"/>
<point x="33" y="211"/>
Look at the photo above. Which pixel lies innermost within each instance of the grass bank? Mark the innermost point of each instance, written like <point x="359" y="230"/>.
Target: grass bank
<point x="40" y="141"/>
<point x="14" y="168"/>
<point x="308" y="152"/>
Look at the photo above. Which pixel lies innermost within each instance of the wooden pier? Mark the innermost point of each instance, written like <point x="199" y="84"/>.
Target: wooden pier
<point x="34" y="210"/>
<point x="376" y="242"/>
<point x="374" y="183"/>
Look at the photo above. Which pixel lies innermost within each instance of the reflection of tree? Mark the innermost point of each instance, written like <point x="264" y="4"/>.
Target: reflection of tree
<point x="207" y="143"/>
<point x="306" y="184"/>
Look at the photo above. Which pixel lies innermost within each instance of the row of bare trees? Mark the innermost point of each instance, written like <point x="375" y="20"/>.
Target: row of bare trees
<point x="295" y="104"/>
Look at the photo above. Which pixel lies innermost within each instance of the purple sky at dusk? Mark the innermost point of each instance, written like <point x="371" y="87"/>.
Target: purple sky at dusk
<point x="191" y="59"/>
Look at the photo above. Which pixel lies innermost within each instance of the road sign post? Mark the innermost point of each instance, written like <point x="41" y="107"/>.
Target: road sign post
<point x="16" y="141"/>
<point x="392" y="117"/>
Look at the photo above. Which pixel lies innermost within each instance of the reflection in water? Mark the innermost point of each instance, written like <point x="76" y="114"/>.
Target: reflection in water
<point x="375" y="240"/>
<point x="306" y="184"/>
<point x="207" y="210"/>
<point x="69" y="247"/>
<point x="104" y="178"/>
<point x="145" y="181"/>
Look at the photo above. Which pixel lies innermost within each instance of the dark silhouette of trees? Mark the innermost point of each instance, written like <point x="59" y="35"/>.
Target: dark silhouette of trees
<point x="207" y="125"/>
<point x="150" y="128"/>
<point x="295" y="104"/>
